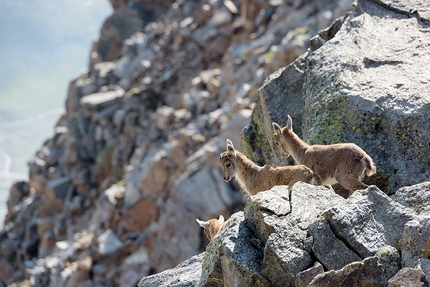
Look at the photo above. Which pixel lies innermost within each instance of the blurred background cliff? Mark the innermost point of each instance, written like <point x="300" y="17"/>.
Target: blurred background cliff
<point x="43" y="44"/>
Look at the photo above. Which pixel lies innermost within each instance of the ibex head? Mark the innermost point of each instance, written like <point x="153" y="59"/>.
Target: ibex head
<point x="212" y="226"/>
<point x="228" y="161"/>
<point x="279" y="135"/>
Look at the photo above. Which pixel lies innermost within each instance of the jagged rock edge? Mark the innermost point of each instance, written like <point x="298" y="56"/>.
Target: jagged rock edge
<point x="412" y="13"/>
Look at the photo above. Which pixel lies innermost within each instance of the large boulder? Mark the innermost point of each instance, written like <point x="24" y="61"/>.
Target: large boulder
<point x="328" y="249"/>
<point x="359" y="221"/>
<point x="358" y="87"/>
<point x="310" y="236"/>
<point x="416" y="197"/>
<point x="233" y="258"/>
<point x="186" y="274"/>
<point x="365" y="273"/>
<point x="285" y="235"/>
<point x="415" y="241"/>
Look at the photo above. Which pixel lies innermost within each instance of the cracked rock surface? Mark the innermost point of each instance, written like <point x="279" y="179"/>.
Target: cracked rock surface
<point x="323" y="240"/>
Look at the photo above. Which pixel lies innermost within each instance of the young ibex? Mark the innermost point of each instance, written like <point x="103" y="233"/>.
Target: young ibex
<point x="212" y="226"/>
<point x="254" y="178"/>
<point x="344" y="163"/>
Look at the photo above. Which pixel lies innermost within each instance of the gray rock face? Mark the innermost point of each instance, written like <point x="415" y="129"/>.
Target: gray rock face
<point x="408" y="277"/>
<point x="408" y="8"/>
<point x="185" y="274"/>
<point x="328" y="249"/>
<point x="365" y="273"/>
<point x="273" y="237"/>
<point x="269" y="108"/>
<point x="370" y="96"/>
<point x="305" y="277"/>
<point x="416" y="197"/>
<point x="424" y="265"/>
<point x="369" y="220"/>
<point x="350" y="91"/>
<point x="389" y="259"/>
<point x="415" y="242"/>
<point x="231" y="259"/>
<point x="284" y="233"/>
<point x="310" y="236"/>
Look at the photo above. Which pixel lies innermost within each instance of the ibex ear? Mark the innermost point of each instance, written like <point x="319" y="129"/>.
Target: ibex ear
<point x="203" y="224"/>
<point x="276" y="129"/>
<point x="221" y="219"/>
<point x="290" y="123"/>
<point x="230" y="148"/>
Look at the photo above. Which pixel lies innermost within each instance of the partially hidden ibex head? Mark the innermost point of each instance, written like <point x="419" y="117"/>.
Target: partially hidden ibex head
<point x="212" y="226"/>
<point x="228" y="161"/>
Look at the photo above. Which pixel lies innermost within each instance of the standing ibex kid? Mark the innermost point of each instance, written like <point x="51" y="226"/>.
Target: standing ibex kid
<point x="254" y="178"/>
<point x="344" y="163"/>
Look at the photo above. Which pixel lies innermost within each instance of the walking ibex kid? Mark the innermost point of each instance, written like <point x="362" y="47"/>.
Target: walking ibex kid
<point x="344" y="163"/>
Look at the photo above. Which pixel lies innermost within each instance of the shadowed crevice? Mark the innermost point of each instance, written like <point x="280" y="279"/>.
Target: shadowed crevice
<point x="344" y="240"/>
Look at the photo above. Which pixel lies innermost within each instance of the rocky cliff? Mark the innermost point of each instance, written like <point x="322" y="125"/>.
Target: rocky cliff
<point x="363" y="80"/>
<point x="368" y="84"/>
<point x="114" y="194"/>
